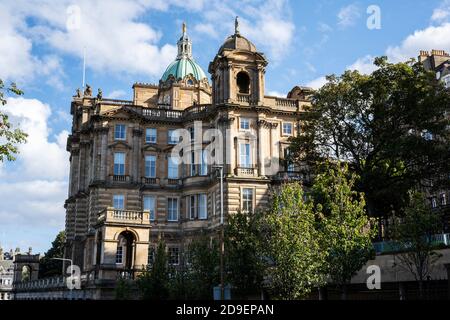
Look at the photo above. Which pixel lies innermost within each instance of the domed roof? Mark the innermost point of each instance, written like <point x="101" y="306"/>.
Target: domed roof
<point x="238" y="42"/>
<point x="184" y="64"/>
<point x="182" y="67"/>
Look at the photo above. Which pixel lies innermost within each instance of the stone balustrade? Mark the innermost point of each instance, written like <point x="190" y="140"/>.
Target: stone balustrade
<point x="124" y="216"/>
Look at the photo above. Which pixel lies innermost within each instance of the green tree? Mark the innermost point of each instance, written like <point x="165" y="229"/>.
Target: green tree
<point x="347" y="232"/>
<point x="244" y="265"/>
<point x="9" y="136"/>
<point x="413" y="234"/>
<point x="153" y="283"/>
<point x="389" y="126"/>
<point x="124" y="290"/>
<point x="291" y="245"/>
<point x="49" y="267"/>
<point x="203" y="256"/>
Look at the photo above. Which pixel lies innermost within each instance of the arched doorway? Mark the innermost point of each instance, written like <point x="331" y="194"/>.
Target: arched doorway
<point x="125" y="250"/>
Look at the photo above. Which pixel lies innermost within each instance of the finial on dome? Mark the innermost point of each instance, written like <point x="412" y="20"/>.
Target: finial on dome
<point x="236" y="25"/>
<point x="184" y="28"/>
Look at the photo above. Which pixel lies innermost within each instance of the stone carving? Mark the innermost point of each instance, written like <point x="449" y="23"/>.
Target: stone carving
<point x="100" y="94"/>
<point x="88" y="91"/>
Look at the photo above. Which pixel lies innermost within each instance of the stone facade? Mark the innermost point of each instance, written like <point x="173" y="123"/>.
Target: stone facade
<point x="110" y="232"/>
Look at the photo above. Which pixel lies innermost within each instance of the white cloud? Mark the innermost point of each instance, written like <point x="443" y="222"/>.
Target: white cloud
<point x="363" y="65"/>
<point x="207" y="28"/>
<point x="317" y="83"/>
<point x="33" y="188"/>
<point x="276" y="94"/>
<point x="348" y="15"/>
<point x="116" y="94"/>
<point x="39" y="158"/>
<point x="269" y="24"/>
<point x="442" y="13"/>
<point x="433" y="37"/>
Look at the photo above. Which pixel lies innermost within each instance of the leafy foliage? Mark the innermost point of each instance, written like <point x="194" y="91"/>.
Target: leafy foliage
<point x="49" y="267"/>
<point x="389" y="126"/>
<point x="153" y="283"/>
<point x="291" y="245"/>
<point x="413" y="237"/>
<point x="245" y="268"/>
<point x="9" y="136"/>
<point x="204" y="266"/>
<point x="346" y="230"/>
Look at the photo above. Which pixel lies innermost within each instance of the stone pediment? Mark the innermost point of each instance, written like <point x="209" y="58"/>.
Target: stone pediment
<point x="123" y="113"/>
<point x="120" y="143"/>
<point x="151" y="147"/>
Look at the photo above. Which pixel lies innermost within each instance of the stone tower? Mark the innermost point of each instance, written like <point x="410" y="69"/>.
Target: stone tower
<point x="237" y="71"/>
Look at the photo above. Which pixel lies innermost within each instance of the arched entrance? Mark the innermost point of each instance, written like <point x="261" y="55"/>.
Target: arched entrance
<point x="125" y="250"/>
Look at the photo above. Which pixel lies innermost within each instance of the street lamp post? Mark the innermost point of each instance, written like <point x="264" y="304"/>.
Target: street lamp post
<point x="222" y="249"/>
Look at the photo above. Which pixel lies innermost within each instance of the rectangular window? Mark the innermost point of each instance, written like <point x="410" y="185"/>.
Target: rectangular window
<point x="172" y="168"/>
<point x="247" y="200"/>
<point x="433" y="202"/>
<point x="151" y="255"/>
<point x="172" y="209"/>
<point x="192" y="207"/>
<point x="192" y="133"/>
<point x="119" y="255"/>
<point x="119" y="163"/>
<point x="244" y="124"/>
<point x="174" y="256"/>
<point x="193" y="167"/>
<point x="120" y="132"/>
<point x="289" y="164"/>
<point x="150" y="135"/>
<point x="287" y="128"/>
<point x="172" y="137"/>
<point x="202" y="207"/>
<point x="443" y="199"/>
<point x="204" y="164"/>
<point x="213" y="203"/>
<point x="119" y="202"/>
<point x="150" y="205"/>
<point x="150" y="166"/>
<point x="245" y="161"/>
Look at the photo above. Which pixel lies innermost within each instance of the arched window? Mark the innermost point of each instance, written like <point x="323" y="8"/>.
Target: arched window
<point x="26" y="273"/>
<point x="243" y="82"/>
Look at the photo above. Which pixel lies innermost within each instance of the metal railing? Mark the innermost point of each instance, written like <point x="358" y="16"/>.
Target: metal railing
<point x="394" y="246"/>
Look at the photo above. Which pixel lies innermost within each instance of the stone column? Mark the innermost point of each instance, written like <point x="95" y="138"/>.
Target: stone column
<point x="137" y="134"/>
<point x="94" y="163"/>
<point x="260" y="161"/>
<point x="104" y="155"/>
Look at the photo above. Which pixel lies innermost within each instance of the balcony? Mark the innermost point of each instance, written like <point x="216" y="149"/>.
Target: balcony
<point x="111" y="215"/>
<point x="246" y="171"/>
<point x="288" y="176"/>
<point x="173" y="182"/>
<point x="119" y="178"/>
<point x="243" y="98"/>
<point x="150" y="181"/>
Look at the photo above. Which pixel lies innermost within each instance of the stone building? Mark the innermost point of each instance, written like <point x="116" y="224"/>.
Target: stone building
<point x="438" y="61"/>
<point x="127" y="185"/>
<point x="6" y="276"/>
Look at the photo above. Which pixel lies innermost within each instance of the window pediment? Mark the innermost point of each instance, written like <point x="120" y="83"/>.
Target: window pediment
<point x="119" y="144"/>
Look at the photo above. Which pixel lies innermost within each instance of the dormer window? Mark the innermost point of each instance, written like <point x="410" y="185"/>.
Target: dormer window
<point x="243" y="82"/>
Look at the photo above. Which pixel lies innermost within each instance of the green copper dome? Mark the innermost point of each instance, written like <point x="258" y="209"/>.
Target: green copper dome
<point x="184" y="63"/>
<point x="182" y="67"/>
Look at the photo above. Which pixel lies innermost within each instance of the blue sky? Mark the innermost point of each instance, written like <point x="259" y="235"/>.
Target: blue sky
<point x="133" y="41"/>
